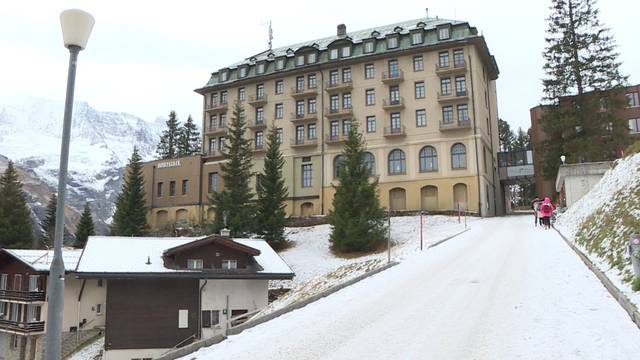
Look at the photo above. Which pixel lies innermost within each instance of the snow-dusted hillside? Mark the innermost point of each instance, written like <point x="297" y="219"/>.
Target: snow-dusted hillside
<point x="101" y="143"/>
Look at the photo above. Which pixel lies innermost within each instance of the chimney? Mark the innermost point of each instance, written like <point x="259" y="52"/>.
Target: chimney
<point x="342" y="30"/>
<point x="225" y="232"/>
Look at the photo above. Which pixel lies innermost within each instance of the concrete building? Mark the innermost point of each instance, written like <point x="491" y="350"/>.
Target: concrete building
<point x="576" y="180"/>
<point x="422" y="91"/>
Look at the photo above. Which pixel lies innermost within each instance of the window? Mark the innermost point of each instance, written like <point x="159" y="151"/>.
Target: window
<point x="172" y="188"/>
<point x="98" y="309"/>
<point x="212" y="144"/>
<point x="370" y="97"/>
<point x="346" y="75"/>
<point x="3" y="309"/>
<point x="428" y="159"/>
<point x="633" y="99"/>
<point x="229" y="264"/>
<point x="241" y="94"/>
<point x="369" y="71"/>
<point x="185" y="187"/>
<point x="99" y="282"/>
<point x="634" y="128"/>
<point x="299" y="134"/>
<point x="194" y="264"/>
<point x="334" y="103"/>
<point x="461" y="86"/>
<point x="370" y="162"/>
<point x="392" y="42"/>
<point x="259" y="137"/>
<point x="243" y="72"/>
<point x="279" y="111"/>
<point x="397" y="162"/>
<point x="418" y="63"/>
<point x="306" y="175"/>
<point x="213" y="121"/>
<point x="447" y="114"/>
<point x="311" y="81"/>
<point x="371" y="124"/>
<point x="299" y="60"/>
<point x="213" y="182"/>
<point x="463" y="113"/>
<point x="299" y="108"/>
<point x="223" y="120"/>
<point x="311" y="131"/>
<point x="444" y="33"/>
<point x="3" y="281"/>
<point x="279" y="135"/>
<point x="312" y="58"/>
<point x="311" y="106"/>
<point x="210" y="318"/>
<point x="159" y="189"/>
<point x="346" y="127"/>
<point x="333" y="77"/>
<point x="421" y="118"/>
<point x="224" y="97"/>
<point x="260" y="68"/>
<point x="299" y="83"/>
<point x="224" y="76"/>
<point x="346" y="101"/>
<point x="259" y="91"/>
<point x="333" y="54"/>
<point x="259" y="115"/>
<point x="394" y="94"/>
<point x="443" y="59"/>
<point x="33" y="282"/>
<point x="395" y="121"/>
<point x="419" y="86"/>
<point x="369" y="46"/>
<point x="183" y="319"/>
<point x="221" y="143"/>
<point x="338" y="164"/>
<point x="214" y="100"/>
<point x="279" y="87"/>
<point x="346" y="51"/>
<point x="416" y="38"/>
<point x="458" y="156"/>
<point x="394" y="71"/>
<point x="279" y="64"/>
<point x="458" y="58"/>
<point x="445" y="87"/>
<point x="334" y="129"/>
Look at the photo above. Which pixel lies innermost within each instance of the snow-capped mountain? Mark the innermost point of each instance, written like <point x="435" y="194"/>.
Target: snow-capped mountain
<point x="101" y="143"/>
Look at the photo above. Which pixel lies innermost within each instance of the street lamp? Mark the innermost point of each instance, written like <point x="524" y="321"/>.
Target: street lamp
<point x="76" y="28"/>
<point x="563" y="158"/>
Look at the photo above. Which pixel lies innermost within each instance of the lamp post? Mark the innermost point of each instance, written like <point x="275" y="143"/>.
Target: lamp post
<point x="76" y="28"/>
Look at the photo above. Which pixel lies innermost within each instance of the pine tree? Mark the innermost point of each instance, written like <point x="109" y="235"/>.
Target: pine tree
<point x="48" y="224"/>
<point x="272" y="194"/>
<point x="581" y="62"/>
<point x="506" y="136"/>
<point x="189" y="139"/>
<point x="130" y="217"/>
<point x="15" y="221"/>
<point x="168" y="146"/>
<point x="85" y="227"/>
<point x="357" y="219"/>
<point x="234" y="204"/>
<point x="522" y="140"/>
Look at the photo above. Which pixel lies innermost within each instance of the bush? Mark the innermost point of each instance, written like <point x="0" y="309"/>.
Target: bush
<point x="633" y="148"/>
<point x="635" y="285"/>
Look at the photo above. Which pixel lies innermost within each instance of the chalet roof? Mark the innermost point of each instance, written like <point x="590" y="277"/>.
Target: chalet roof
<point x="213" y="239"/>
<point x="144" y="256"/>
<point x="40" y="260"/>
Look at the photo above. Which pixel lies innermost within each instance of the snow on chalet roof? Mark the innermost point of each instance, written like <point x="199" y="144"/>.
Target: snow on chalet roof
<point x="40" y="260"/>
<point x="112" y="254"/>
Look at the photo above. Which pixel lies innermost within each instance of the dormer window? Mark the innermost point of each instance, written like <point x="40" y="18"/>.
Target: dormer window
<point x="260" y="68"/>
<point x="392" y="42"/>
<point x="224" y="76"/>
<point x="195" y="264"/>
<point x="444" y="32"/>
<point x="229" y="264"/>
<point x="416" y="38"/>
<point x="312" y="58"/>
<point x="299" y="60"/>
<point x="369" y="46"/>
<point x="346" y="51"/>
<point x="333" y="54"/>
<point x="242" y="72"/>
<point x="279" y="64"/>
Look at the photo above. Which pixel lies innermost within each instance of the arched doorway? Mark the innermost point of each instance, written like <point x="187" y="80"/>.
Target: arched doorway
<point x="429" y="198"/>
<point x="306" y="209"/>
<point x="182" y="216"/>
<point x="397" y="199"/>
<point x="460" y="196"/>
<point x="162" y="218"/>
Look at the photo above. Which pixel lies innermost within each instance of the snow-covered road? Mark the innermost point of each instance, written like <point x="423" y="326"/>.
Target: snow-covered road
<point x="504" y="290"/>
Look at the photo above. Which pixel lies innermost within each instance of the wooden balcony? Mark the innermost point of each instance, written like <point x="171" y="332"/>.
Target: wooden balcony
<point x="217" y="107"/>
<point x="258" y="100"/>
<point x="213" y="155"/>
<point x="393" y="104"/>
<point x="392" y="77"/>
<point x="335" y="139"/>
<point x="257" y="125"/>
<point x="332" y="113"/>
<point x="452" y="68"/>
<point x="395" y="131"/>
<point x="302" y="118"/>
<point x="455" y="125"/>
<point x="21" y="328"/>
<point x="453" y="96"/>
<point x="215" y="130"/>
<point x="338" y="86"/>
<point x="22" y="296"/>
<point x="298" y="93"/>
<point x="300" y="143"/>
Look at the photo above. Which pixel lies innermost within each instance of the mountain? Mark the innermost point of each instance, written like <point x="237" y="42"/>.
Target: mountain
<point x="101" y="143"/>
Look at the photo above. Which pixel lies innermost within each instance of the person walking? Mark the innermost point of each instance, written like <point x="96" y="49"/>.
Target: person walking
<point x="535" y="205"/>
<point x="546" y="209"/>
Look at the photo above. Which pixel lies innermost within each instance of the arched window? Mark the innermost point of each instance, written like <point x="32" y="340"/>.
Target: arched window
<point x="370" y="162"/>
<point x="397" y="199"/>
<point x="338" y="164"/>
<point x="458" y="156"/>
<point x="397" y="163"/>
<point x="428" y="159"/>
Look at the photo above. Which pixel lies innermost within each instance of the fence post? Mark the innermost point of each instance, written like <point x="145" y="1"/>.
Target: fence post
<point x="420" y="230"/>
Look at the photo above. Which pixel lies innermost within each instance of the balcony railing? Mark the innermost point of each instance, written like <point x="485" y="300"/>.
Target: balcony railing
<point x="257" y="125"/>
<point x="215" y="130"/>
<point x="303" y="142"/>
<point x="335" y="138"/>
<point x="22" y="295"/>
<point x="453" y="96"/>
<point x="394" y="104"/>
<point x="24" y="328"/>
<point x="338" y="112"/>
<point x="392" y="77"/>
<point x="257" y="148"/>
<point x="213" y="154"/>
<point x="455" y="125"/>
<point x="219" y="106"/>
<point x="460" y="66"/>
<point x="297" y="92"/>
<point x="258" y="100"/>
<point x="303" y="117"/>
<point x="338" y="85"/>
<point x="394" y="131"/>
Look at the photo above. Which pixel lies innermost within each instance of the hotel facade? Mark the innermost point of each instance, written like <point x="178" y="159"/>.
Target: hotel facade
<point x="423" y="94"/>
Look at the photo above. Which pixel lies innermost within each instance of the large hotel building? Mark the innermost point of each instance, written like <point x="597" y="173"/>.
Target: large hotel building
<point x="422" y="91"/>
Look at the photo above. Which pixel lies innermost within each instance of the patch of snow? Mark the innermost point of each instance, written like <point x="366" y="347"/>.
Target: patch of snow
<point x="90" y="351"/>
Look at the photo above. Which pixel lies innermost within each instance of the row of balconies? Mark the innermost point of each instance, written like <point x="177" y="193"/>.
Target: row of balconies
<point x="22" y="296"/>
<point x="21" y="327"/>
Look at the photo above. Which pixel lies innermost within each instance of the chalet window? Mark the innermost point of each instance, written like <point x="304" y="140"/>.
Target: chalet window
<point x="17" y="282"/>
<point x="194" y="264"/>
<point x="33" y="282"/>
<point x="183" y="319"/>
<point x="14" y="312"/>
<point x="229" y="264"/>
<point x="185" y="187"/>
<point x="32" y="313"/>
<point x="172" y="188"/>
<point x="3" y="281"/>
<point x="3" y="309"/>
<point x="215" y="317"/>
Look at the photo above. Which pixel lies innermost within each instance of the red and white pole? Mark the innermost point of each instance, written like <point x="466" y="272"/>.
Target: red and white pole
<point x="420" y="230"/>
<point x="458" y="213"/>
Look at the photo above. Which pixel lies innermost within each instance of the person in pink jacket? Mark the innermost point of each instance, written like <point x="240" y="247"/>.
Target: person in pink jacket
<point x="546" y="210"/>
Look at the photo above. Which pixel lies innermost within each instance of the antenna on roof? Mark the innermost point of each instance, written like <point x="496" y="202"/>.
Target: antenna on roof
<point x="270" y="35"/>
<point x="427" y="11"/>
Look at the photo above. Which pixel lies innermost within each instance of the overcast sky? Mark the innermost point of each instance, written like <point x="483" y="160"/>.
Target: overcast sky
<point x="146" y="57"/>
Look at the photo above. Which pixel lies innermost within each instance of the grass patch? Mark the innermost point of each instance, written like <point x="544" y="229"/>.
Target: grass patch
<point x="379" y="248"/>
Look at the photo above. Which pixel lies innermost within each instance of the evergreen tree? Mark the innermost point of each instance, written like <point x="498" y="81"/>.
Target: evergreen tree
<point x="272" y="194"/>
<point x="357" y="220"/>
<point x="130" y="217"/>
<point x="15" y="222"/>
<point x="522" y="140"/>
<point x="581" y="61"/>
<point x="168" y="146"/>
<point x="85" y="227"/>
<point x="234" y="204"/>
<point x="189" y="139"/>
<point x="48" y="224"/>
<point x="506" y="136"/>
